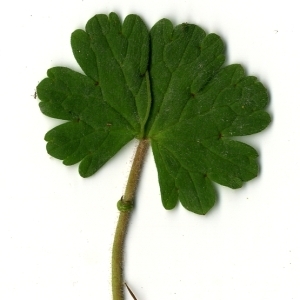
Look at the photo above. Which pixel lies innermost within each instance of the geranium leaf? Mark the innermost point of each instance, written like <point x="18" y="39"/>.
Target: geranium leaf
<point x="168" y="86"/>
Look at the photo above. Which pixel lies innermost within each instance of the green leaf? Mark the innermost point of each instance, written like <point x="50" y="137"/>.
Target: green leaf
<point x="167" y="85"/>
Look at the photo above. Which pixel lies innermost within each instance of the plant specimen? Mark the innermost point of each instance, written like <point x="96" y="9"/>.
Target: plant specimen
<point x="168" y="89"/>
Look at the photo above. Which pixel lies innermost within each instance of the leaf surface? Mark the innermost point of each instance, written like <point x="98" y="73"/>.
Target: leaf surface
<point x="168" y="85"/>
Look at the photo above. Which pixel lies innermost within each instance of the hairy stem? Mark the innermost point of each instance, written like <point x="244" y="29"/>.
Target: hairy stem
<point x="125" y="206"/>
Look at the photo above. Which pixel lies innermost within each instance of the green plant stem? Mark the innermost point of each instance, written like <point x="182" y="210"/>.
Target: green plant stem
<point x="124" y="217"/>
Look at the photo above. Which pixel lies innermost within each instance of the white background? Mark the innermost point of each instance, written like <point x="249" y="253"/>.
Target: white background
<point x="56" y="228"/>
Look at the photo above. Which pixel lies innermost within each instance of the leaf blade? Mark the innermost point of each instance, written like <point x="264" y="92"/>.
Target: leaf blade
<point x="195" y="113"/>
<point x="169" y="86"/>
<point x="105" y="109"/>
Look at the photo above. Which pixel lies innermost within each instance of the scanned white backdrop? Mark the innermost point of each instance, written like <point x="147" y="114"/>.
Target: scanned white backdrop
<point x="56" y="228"/>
